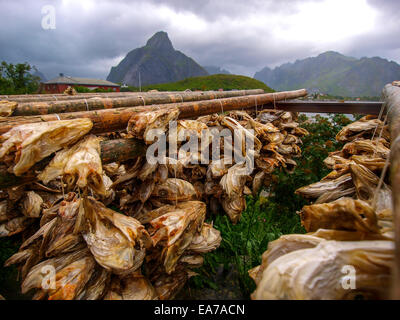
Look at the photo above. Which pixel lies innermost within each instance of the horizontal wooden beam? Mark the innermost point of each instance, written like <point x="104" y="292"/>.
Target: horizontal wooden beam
<point x="109" y="120"/>
<point x="349" y="107"/>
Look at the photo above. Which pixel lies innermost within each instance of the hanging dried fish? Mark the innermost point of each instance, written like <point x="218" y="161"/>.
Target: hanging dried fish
<point x="140" y="124"/>
<point x="317" y="189"/>
<point x="132" y="287"/>
<point x="367" y="147"/>
<point x="293" y="275"/>
<point x="173" y="190"/>
<point x="233" y="182"/>
<point x="366" y="183"/>
<point x="177" y="228"/>
<point x="342" y="214"/>
<point x="117" y="242"/>
<point x="32" y="205"/>
<point x="3" y="211"/>
<point x="240" y="131"/>
<point x="267" y="116"/>
<point x="372" y="164"/>
<point x="14" y="226"/>
<point x="71" y="280"/>
<point x="80" y="165"/>
<point x="207" y="240"/>
<point x="7" y="108"/>
<point x="234" y="207"/>
<point x="64" y="236"/>
<point x="361" y="128"/>
<point x="187" y="128"/>
<point x="284" y="245"/>
<point x="167" y="286"/>
<point x="97" y="285"/>
<point x="27" y="144"/>
<point x="38" y="276"/>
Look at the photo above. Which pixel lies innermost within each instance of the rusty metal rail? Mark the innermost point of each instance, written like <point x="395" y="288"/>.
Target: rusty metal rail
<point x="349" y="107"/>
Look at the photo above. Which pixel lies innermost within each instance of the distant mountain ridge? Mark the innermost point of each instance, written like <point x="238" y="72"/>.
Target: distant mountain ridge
<point x="334" y="74"/>
<point x="156" y="62"/>
<point x="215" y="70"/>
<point x="36" y="73"/>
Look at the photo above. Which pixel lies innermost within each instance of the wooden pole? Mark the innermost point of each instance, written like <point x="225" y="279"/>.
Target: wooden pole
<point x="391" y="95"/>
<point x="109" y="120"/>
<point x="64" y="97"/>
<point x="98" y="103"/>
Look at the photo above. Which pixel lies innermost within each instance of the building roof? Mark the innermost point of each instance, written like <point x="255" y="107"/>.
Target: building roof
<point x="81" y="81"/>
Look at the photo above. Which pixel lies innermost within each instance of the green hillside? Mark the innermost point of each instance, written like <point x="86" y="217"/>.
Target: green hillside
<point x="213" y="82"/>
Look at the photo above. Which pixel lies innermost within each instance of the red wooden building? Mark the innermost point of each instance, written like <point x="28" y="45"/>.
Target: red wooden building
<point x="59" y="84"/>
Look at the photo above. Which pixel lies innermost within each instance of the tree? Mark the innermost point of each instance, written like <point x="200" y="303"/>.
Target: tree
<point x="17" y="79"/>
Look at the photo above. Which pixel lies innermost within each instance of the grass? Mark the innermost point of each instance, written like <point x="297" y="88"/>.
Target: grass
<point x="9" y="287"/>
<point x="213" y="82"/>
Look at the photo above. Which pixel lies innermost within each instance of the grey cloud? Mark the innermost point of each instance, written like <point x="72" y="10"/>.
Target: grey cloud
<point x="87" y="42"/>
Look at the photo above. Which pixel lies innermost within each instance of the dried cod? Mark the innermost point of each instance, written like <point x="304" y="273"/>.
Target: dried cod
<point x="371" y="148"/>
<point x="175" y="230"/>
<point x="14" y="226"/>
<point x="363" y="127"/>
<point x="3" y="211"/>
<point x="207" y="240"/>
<point x="7" y="108"/>
<point x="71" y="280"/>
<point x="131" y="287"/>
<point x="141" y="123"/>
<point x="234" y="207"/>
<point x="80" y="165"/>
<point x="366" y="183"/>
<point x="316" y="273"/>
<point x="168" y="286"/>
<point x="233" y="182"/>
<point x="29" y="143"/>
<point x="117" y="242"/>
<point x="173" y="190"/>
<point x="32" y="205"/>
<point x="317" y="189"/>
<point x="342" y="214"/>
<point x="38" y="276"/>
<point x="96" y="287"/>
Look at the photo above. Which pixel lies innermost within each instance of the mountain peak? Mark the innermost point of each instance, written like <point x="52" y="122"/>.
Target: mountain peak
<point x="335" y="55"/>
<point x="160" y="40"/>
<point x="158" y="62"/>
<point x="331" y="53"/>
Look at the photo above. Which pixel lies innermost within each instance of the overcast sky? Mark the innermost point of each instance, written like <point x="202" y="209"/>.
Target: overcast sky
<point x="90" y="36"/>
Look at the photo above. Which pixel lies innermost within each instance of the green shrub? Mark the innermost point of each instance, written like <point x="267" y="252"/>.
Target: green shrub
<point x="9" y="287"/>
<point x="81" y="89"/>
<point x="17" y="79"/>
